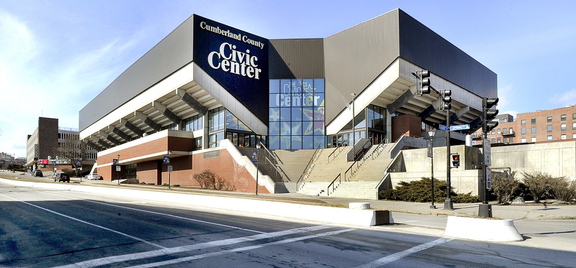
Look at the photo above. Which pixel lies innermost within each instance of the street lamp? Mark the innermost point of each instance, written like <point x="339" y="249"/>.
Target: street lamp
<point x="353" y="128"/>
<point x="431" y="155"/>
<point x="118" y="169"/>
<point x="255" y="155"/>
<point x="169" y="167"/>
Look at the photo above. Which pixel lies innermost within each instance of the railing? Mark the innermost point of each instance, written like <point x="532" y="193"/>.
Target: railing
<point x="349" y="173"/>
<point x="308" y="170"/>
<point x="387" y="170"/>
<point x="271" y="153"/>
<point x="335" y="153"/>
<point x="274" y="163"/>
<point x="279" y="170"/>
<point x="333" y="184"/>
<point x="378" y="150"/>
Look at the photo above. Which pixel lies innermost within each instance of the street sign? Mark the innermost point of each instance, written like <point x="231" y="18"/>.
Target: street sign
<point x="118" y="168"/>
<point x="487" y="152"/>
<point x="170" y="168"/>
<point x="254" y="156"/>
<point x="459" y="127"/>
<point x="488" y="179"/>
<point x="166" y="160"/>
<point x="443" y="127"/>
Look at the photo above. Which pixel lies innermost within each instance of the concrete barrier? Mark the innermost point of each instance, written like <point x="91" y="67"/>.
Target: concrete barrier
<point x="482" y="229"/>
<point x="335" y="215"/>
<point x="359" y="205"/>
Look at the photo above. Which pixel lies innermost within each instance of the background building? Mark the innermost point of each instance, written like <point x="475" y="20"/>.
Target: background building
<point x="51" y="146"/>
<point x="540" y="126"/>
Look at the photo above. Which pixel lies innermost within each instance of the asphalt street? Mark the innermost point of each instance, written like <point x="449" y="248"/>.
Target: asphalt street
<point x="60" y="228"/>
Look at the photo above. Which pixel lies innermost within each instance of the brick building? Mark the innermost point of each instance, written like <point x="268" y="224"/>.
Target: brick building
<point x="540" y="126"/>
<point x="59" y="146"/>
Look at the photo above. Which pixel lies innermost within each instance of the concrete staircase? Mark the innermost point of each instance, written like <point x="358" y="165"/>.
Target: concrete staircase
<point x="362" y="184"/>
<point x="357" y="189"/>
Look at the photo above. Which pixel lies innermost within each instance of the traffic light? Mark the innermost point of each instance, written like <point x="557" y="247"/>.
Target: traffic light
<point x="489" y="114"/>
<point x="456" y="160"/>
<point x="446" y="99"/>
<point x="425" y="82"/>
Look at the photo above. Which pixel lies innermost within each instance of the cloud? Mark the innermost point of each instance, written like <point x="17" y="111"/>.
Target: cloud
<point x="37" y="79"/>
<point x="564" y="99"/>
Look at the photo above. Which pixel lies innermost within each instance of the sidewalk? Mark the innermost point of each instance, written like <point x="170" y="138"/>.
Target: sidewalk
<point x="514" y="212"/>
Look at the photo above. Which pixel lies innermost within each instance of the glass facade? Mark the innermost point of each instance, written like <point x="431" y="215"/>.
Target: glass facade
<point x="296" y="114"/>
<point x="222" y="124"/>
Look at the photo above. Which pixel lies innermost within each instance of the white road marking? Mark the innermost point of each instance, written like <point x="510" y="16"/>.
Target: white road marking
<point x="213" y="254"/>
<point x="85" y="222"/>
<point x="174" y="250"/>
<point x="402" y="254"/>
<point x="166" y="215"/>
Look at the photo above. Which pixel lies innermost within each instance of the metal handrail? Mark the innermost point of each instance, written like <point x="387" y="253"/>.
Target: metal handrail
<point x="271" y="153"/>
<point x="278" y="170"/>
<point x="309" y="168"/>
<point x="337" y="150"/>
<point x="387" y="170"/>
<point x="332" y="184"/>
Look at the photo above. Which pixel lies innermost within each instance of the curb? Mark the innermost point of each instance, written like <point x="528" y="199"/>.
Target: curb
<point x="482" y="229"/>
<point x="335" y="215"/>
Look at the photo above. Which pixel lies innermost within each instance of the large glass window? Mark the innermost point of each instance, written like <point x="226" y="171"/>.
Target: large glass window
<point x="296" y="119"/>
<point x="192" y="123"/>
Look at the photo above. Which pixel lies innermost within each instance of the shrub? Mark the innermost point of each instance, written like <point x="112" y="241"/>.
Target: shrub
<point x="504" y="186"/>
<point x="208" y="180"/>
<point x="539" y="184"/>
<point x="420" y="191"/>
<point x="562" y="189"/>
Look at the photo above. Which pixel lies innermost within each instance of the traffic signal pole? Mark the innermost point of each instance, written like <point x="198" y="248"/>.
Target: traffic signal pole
<point x="485" y="209"/>
<point x="448" y="202"/>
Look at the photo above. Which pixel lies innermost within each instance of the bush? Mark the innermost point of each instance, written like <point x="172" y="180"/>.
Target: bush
<point x="504" y="186"/>
<point x="562" y="189"/>
<point x="539" y="185"/>
<point x="208" y="180"/>
<point x="420" y="191"/>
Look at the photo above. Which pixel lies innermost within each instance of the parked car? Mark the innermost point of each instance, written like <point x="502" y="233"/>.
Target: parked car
<point x="37" y="173"/>
<point x="94" y="176"/>
<point x="63" y="177"/>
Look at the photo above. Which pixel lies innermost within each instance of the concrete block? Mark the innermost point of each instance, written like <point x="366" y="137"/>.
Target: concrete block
<point x="359" y="205"/>
<point x="482" y="229"/>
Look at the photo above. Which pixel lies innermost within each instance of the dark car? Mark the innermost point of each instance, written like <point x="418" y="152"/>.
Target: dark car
<point x="37" y="173"/>
<point x="63" y="177"/>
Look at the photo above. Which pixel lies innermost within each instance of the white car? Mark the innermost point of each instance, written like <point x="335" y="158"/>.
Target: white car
<point x="94" y="176"/>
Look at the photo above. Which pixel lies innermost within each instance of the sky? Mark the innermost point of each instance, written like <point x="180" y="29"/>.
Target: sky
<point x="57" y="55"/>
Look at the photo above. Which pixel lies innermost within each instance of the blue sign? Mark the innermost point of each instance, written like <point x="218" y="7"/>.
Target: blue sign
<point x="443" y="127"/>
<point x="254" y="156"/>
<point x="459" y="127"/>
<point x="166" y="160"/>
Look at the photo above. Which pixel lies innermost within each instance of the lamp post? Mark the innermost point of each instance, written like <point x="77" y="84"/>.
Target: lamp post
<point x="255" y="155"/>
<point x="169" y="167"/>
<point x="353" y="128"/>
<point x="431" y="155"/>
<point x="118" y="169"/>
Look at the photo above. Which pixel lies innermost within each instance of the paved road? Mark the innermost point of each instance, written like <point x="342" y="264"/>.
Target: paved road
<point x="55" y="228"/>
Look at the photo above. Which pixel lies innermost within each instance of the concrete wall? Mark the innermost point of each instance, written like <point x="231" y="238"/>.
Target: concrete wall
<point x="418" y="165"/>
<point x="555" y="158"/>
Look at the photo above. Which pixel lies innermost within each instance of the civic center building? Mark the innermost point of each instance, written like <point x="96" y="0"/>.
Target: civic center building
<point x="208" y="93"/>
